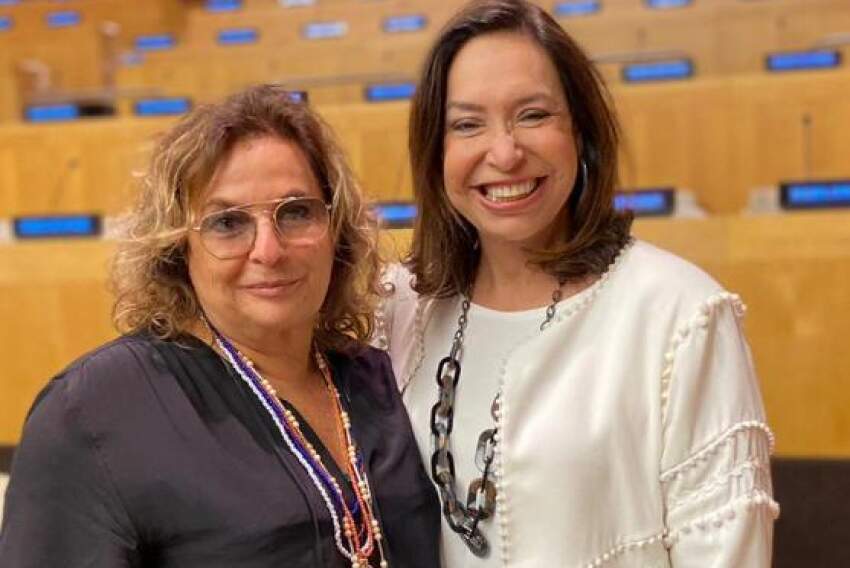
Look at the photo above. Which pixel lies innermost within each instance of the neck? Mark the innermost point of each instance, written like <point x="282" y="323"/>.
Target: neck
<point x="285" y="359"/>
<point x="507" y="281"/>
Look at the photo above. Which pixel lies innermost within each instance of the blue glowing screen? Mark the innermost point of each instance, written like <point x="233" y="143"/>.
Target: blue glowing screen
<point x="390" y="92"/>
<point x="63" y="19"/>
<point x="52" y="113"/>
<point x="156" y="42"/>
<point x="396" y="214"/>
<point x="815" y="194"/>
<point x="54" y="226"/>
<point x="646" y="201"/>
<point x="324" y="30"/>
<point x="577" y="8"/>
<point x="238" y="36"/>
<point x="408" y="23"/>
<point x="801" y="60"/>
<point x="162" y="106"/>
<point x="223" y="5"/>
<point x="658" y="71"/>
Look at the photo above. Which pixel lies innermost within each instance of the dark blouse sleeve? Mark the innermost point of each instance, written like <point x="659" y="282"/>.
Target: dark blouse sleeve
<point x="61" y="507"/>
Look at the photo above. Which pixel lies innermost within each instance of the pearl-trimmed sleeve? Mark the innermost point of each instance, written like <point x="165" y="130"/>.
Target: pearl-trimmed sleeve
<point x="398" y="325"/>
<point x="715" y="467"/>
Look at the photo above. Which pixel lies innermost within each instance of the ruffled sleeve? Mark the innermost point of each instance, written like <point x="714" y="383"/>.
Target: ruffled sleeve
<point x="715" y="470"/>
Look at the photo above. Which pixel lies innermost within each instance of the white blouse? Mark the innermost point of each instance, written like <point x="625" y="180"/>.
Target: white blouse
<point x="632" y="432"/>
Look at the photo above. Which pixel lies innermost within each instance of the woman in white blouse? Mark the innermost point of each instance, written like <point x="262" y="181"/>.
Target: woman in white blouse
<point x="581" y="398"/>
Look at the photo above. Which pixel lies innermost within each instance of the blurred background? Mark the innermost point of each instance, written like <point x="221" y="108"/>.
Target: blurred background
<point x="736" y="115"/>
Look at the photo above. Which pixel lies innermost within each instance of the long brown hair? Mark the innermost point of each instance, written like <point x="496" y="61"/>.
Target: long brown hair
<point x="150" y="277"/>
<point x="444" y="254"/>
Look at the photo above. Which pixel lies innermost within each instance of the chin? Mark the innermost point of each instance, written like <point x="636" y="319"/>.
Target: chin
<point x="519" y="235"/>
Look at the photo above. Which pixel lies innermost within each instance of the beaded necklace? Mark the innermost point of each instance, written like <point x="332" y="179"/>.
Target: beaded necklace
<point x="355" y="522"/>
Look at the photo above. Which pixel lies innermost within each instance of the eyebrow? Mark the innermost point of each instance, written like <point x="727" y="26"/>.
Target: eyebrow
<point x="473" y="107"/>
<point x="219" y="204"/>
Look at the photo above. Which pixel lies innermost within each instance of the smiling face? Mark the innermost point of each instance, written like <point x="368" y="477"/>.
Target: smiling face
<point x="510" y="157"/>
<point x="275" y="288"/>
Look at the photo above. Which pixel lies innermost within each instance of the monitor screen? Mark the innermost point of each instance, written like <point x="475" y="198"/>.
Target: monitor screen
<point x="52" y="113"/>
<point x="396" y="214"/>
<point x="667" y="3"/>
<point x="56" y="226"/>
<point x="63" y="19"/>
<point x="157" y="42"/>
<point x="162" y="106"/>
<point x="390" y="92"/>
<point x="223" y="5"/>
<point x="238" y="36"/>
<point x="325" y="30"/>
<point x="647" y="202"/>
<point x="576" y="8"/>
<point x="670" y="70"/>
<point x="802" y="60"/>
<point x="815" y="194"/>
<point x="407" y="23"/>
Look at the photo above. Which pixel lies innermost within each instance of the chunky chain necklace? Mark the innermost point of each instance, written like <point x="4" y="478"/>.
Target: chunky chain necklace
<point x="355" y="522"/>
<point x="481" y="494"/>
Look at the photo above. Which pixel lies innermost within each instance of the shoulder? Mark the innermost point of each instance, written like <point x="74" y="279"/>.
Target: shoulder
<point x="398" y="280"/>
<point x="111" y="380"/>
<point x="98" y="371"/>
<point x="60" y="412"/>
<point x="113" y="367"/>
<point x="660" y="281"/>
<point x="669" y="274"/>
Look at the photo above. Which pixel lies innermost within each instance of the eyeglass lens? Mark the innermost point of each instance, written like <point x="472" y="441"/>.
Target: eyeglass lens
<point x="231" y="233"/>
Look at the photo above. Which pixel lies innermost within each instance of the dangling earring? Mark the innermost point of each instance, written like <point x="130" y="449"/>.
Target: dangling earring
<point x="583" y="174"/>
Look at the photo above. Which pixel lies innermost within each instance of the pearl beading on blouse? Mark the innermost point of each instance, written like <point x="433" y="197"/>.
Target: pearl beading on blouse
<point x="751" y="467"/>
<point x="708" y="486"/>
<point x="563" y="313"/>
<point x="715" y="445"/>
<point x="621" y="549"/>
<point x="754" y="500"/>
<point x="699" y="320"/>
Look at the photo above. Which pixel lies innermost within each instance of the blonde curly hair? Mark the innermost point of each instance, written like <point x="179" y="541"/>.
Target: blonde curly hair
<point x="149" y="273"/>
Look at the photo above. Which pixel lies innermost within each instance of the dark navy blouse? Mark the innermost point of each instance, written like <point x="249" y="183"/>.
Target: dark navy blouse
<point x="155" y="454"/>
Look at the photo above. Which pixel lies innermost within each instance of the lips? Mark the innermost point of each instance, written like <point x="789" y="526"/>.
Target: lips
<point x="269" y="288"/>
<point x="508" y="192"/>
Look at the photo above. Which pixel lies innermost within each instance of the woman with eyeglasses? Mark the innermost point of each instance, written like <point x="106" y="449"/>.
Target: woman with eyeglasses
<point x="582" y="398"/>
<point x="241" y="420"/>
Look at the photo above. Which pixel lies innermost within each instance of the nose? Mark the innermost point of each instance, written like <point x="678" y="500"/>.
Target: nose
<point x="267" y="247"/>
<point x="504" y="152"/>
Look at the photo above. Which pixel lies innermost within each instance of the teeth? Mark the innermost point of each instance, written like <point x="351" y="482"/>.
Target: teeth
<point x="509" y="192"/>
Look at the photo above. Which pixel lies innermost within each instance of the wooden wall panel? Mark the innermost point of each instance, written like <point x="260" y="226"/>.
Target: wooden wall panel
<point x="79" y="166"/>
<point x="55" y="307"/>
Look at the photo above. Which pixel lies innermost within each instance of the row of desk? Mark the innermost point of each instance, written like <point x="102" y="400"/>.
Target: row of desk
<point x="719" y="138"/>
<point x="792" y="271"/>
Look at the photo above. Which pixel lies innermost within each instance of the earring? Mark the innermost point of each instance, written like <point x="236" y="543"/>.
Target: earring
<point x="583" y="174"/>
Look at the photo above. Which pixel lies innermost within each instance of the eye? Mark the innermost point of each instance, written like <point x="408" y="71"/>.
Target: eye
<point x="533" y="117"/>
<point x="226" y="223"/>
<point x="465" y="126"/>
<point x="297" y="212"/>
